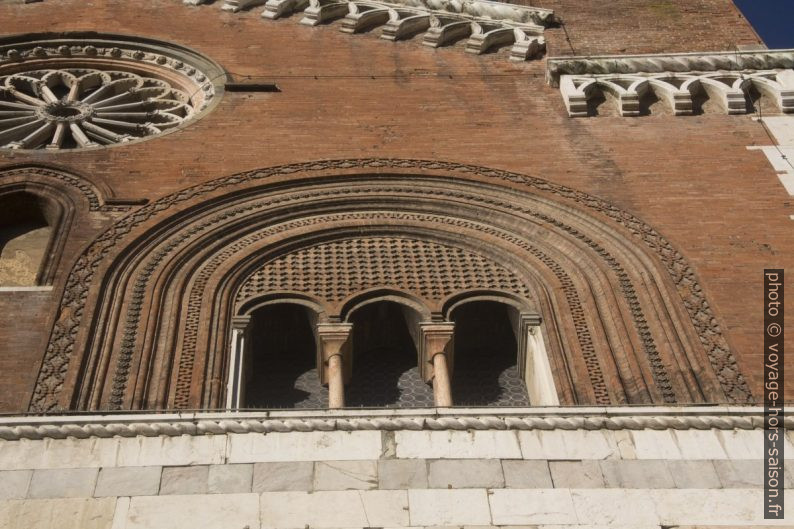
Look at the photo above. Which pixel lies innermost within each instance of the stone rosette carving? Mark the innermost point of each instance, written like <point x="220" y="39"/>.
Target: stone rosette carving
<point x="732" y="80"/>
<point x="89" y="90"/>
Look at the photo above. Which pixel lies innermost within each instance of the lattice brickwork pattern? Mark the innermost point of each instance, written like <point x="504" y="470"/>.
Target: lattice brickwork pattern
<point x="335" y="270"/>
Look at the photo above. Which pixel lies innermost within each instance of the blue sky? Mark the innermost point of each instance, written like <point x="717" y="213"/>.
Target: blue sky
<point x="772" y="19"/>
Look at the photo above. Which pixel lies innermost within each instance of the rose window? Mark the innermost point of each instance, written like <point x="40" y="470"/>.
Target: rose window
<point x="81" y="93"/>
<point x="60" y="109"/>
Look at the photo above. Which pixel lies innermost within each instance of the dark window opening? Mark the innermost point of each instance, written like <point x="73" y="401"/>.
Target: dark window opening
<point x="485" y="371"/>
<point x="26" y="226"/>
<point x="385" y="369"/>
<point x="281" y="368"/>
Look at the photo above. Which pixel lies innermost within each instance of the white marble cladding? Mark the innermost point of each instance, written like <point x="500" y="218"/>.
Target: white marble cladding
<point x="423" y="475"/>
<point x="483" y="23"/>
<point x="688" y="83"/>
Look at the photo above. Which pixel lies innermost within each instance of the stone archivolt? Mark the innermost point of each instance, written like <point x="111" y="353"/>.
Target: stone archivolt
<point x="485" y="24"/>
<point x="685" y="83"/>
<point x="88" y="90"/>
<point x="171" y="276"/>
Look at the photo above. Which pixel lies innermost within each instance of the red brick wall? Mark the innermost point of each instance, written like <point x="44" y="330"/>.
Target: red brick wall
<point x="692" y="178"/>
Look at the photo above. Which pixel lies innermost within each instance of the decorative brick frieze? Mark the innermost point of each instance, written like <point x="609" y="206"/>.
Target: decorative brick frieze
<point x="685" y="83"/>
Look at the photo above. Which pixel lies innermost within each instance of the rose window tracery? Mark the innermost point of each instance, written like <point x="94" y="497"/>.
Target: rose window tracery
<point x="82" y="92"/>
<point x="70" y="108"/>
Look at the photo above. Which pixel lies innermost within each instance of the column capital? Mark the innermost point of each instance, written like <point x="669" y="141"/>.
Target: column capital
<point x="241" y="322"/>
<point x="435" y="338"/>
<point x="333" y="337"/>
<point x="334" y="346"/>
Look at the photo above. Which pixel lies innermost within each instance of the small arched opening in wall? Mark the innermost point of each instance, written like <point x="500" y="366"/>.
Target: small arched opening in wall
<point x="384" y="359"/>
<point x="30" y="236"/>
<point x="273" y="361"/>
<point x="500" y="355"/>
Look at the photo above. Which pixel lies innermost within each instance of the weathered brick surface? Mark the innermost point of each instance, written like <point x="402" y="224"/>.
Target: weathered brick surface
<point x="343" y="96"/>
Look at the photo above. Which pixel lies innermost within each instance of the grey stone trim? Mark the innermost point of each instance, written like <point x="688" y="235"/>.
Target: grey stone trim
<point x="402" y="474"/>
<point x="345" y="475"/>
<point x="230" y="479"/>
<point x="14" y="484"/>
<point x="465" y="474"/>
<point x="527" y="474"/>
<point x="694" y="474"/>
<point x="185" y="480"/>
<point x="741" y="474"/>
<point x="676" y="62"/>
<point x="63" y="483"/>
<point x="286" y="476"/>
<point x="636" y="474"/>
<point x="576" y="474"/>
<point x="128" y="481"/>
<point x="201" y="423"/>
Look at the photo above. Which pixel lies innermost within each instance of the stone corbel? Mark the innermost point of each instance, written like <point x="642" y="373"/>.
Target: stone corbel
<point x="445" y="30"/>
<point x="278" y="8"/>
<point x="238" y="5"/>
<point x="321" y="11"/>
<point x="435" y="358"/>
<point x="363" y="16"/>
<point x="404" y="23"/>
<point x="527" y="46"/>
<point x="334" y="354"/>
<point x="486" y="35"/>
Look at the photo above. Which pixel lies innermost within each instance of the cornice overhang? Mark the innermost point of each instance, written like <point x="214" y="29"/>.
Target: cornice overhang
<point x="537" y="418"/>
<point x="484" y="24"/>
<point x="727" y="77"/>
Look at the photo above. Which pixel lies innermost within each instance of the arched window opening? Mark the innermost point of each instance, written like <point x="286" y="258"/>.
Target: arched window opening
<point x="385" y="371"/>
<point x="485" y="371"/>
<point x="280" y="360"/>
<point x="27" y="223"/>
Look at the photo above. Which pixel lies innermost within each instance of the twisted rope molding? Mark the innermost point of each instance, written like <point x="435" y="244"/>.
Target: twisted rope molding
<point x="221" y="427"/>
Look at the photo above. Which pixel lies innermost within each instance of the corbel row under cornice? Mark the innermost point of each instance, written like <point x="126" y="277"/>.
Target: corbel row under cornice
<point x="483" y="23"/>
<point x="684" y="81"/>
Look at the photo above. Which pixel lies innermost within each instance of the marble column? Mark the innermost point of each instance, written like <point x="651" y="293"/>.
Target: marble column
<point x="334" y="344"/>
<point x="436" y="356"/>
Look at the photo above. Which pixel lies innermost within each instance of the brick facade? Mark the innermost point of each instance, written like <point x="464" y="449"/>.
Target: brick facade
<point x="691" y="178"/>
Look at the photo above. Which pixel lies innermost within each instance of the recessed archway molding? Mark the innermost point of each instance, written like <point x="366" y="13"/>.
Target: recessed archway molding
<point x="186" y="255"/>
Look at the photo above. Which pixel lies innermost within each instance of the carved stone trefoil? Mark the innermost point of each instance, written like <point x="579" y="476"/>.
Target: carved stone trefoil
<point x="729" y="82"/>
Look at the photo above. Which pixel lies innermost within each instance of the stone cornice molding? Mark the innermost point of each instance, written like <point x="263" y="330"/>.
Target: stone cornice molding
<point x="473" y="8"/>
<point x="730" y="80"/>
<point x="662" y="63"/>
<point x="204" y="423"/>
<point x="484" y="23"/>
